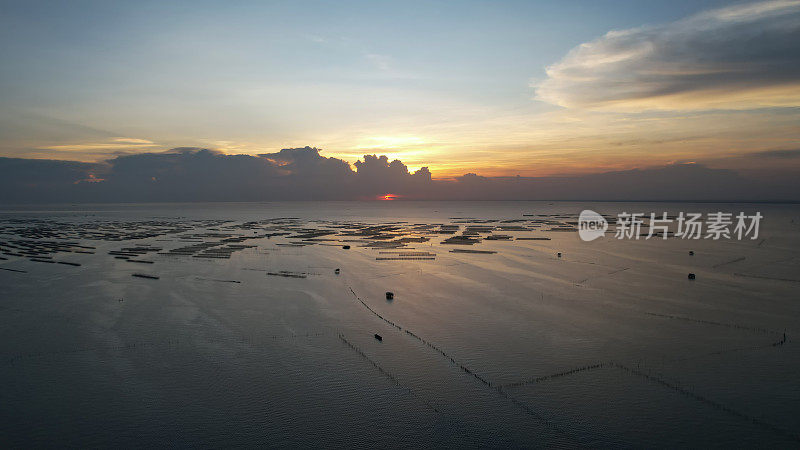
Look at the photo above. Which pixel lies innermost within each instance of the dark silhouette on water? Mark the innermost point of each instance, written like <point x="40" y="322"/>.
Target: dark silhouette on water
<point x="142" y="275"/>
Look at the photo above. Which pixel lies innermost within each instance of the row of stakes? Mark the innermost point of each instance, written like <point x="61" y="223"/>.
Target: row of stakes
<point x="390" y="295"/>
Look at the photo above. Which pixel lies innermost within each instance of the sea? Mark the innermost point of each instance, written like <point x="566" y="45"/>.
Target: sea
<point x="269" y="324"/>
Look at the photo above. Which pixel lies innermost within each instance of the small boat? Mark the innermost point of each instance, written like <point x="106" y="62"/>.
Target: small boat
<point x="378" y="337"/>
<point x="389" y="295"/>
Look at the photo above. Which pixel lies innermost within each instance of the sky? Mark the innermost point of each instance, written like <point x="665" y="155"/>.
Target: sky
<point x="494" y="88"/>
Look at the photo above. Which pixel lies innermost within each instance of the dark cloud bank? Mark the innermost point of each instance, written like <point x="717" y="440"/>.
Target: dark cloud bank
<point x="191" y="174"/>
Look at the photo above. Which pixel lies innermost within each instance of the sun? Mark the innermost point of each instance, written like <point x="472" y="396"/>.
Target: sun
<point x="389" y="197"/>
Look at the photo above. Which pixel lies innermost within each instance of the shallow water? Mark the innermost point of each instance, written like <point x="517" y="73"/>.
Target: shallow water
<point x="609" y="345"/>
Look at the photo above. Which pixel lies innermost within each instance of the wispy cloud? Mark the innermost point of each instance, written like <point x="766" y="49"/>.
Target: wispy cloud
<point x="382" y="62"/>
<point x="114" y="144"/>
<point x="739" y="57"/>
<point x="134" y="141"/>
<point x="783" y="154"/>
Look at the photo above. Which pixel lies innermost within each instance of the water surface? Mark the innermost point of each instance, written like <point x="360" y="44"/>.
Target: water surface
<point x="608" y="345"/>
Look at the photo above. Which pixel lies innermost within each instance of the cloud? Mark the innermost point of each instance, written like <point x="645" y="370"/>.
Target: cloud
<point x="187" y="174"/>
<point x="307" y="162"/>
<point x="44" y="180"/>
<point x="135" y="141"/>
<point x="198" y="174"/>
<point x="739" y="57"/>
<point x="782" y="154"/>
<point x="382" y="62"/>
<point x="375" y="175"/>
<point x="117" y="145"/>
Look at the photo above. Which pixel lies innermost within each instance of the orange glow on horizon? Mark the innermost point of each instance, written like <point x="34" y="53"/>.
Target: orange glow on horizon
<point x="389" y="197"/>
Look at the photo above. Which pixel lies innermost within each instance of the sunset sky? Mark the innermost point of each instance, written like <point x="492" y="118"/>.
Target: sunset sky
<point x="495" y="88"/>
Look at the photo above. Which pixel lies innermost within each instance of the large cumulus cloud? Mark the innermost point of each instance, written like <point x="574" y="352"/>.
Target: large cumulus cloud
<point x="197" y="174"/>
<point x="189" y="174"/>
<point x="376" y="174"/>
<point x="738" y="57"/>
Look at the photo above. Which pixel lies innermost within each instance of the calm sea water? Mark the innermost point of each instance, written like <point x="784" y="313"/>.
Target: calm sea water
<point x="608" y="345"/>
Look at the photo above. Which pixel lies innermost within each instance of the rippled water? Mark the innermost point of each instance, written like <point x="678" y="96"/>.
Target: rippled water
<point x="609" y="345"/>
